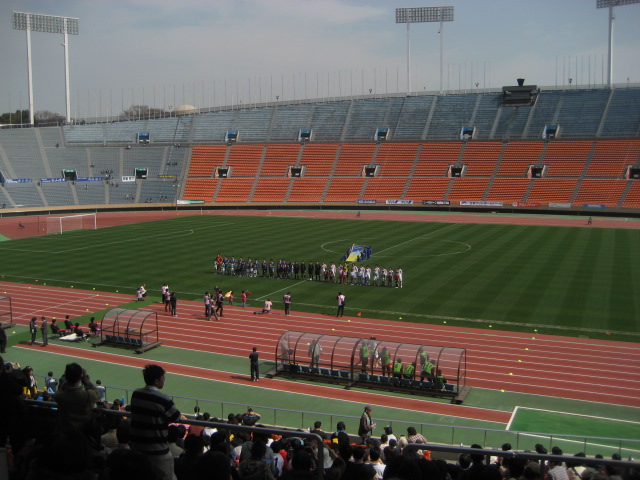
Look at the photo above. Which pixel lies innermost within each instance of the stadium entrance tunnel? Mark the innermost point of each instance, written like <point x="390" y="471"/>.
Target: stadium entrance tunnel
<point x="428" y="370"/>
<point x="133" y="329"/>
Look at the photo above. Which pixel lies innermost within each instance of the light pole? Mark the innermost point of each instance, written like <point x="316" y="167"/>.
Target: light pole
<point x="422" y="15"/>
<point x="610" y="4"/>
<point x="46" y="24"/>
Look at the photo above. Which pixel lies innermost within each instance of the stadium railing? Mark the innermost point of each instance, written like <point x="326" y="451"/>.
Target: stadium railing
<point x="440" y="434"/>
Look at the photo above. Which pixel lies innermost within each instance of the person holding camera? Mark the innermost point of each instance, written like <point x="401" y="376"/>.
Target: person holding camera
<point x="76" y="398"/>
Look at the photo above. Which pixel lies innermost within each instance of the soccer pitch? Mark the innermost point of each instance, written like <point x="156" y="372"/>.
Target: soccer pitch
<point x="547" y="421"/>
<point x="563" y="280"/>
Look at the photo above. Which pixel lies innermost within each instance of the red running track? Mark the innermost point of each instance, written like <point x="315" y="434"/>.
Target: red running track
<point x="533" y="364"/>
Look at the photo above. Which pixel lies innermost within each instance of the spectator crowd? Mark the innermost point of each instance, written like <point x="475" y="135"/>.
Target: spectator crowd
<point x="87" y="437"/>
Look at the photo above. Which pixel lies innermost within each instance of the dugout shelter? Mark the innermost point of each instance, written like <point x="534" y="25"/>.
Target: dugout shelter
<point x="134" y="329"/>
<point x="358" y="362"/>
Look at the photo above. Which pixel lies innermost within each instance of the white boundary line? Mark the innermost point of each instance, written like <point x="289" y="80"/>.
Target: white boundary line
<point x="281" y="290"/>
<point x="608" y="419"/>
<point x="512" y="418"/>
<point x="561" y="438"/>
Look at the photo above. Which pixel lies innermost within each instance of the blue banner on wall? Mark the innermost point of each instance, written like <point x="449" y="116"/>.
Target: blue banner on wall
<point x="52" y="180"/>
<point x="89" y="179"/>
<point x="18" y="180"/>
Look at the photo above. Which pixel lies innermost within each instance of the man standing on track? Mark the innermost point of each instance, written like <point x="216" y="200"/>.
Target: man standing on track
<point x="33" y="329"/>
<point x="219" y="303"/>
<point x="287" y="303"/>
<point x="173" y="301"/>
<point x="341" y="302"/>
<point x="45" y="332"/>
<point x="207" y="306"/>
<point x="163" y="290"/>
<point x="254" y="365"/>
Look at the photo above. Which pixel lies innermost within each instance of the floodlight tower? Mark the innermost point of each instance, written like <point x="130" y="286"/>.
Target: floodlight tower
<point x="610" y="4"/>
<point x="422" y="15"/>
<point x="47" y="24"/>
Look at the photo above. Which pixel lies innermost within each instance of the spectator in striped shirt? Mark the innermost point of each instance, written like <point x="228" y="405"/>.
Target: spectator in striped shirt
<point x="151" y="413"/>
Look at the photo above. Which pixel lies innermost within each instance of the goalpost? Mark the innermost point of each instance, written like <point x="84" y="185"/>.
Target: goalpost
<point x="67" y="223"/>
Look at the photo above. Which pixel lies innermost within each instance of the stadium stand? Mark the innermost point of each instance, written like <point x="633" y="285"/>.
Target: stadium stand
<point x="632" y="200"/>
<point x="91" y="193"/>
<point x="518" y="157"/>
<point x="436" y="157"/>
<point x="288" y="121"/>
<point x="271" y="190"/>
<point x="307" y="189"/>
<point x="468" y="189"/>
<point x="344" y="189"/>
<point x="278" y="159"/>
<point x="234" y="189"/>
<point x="364" y="118"/>
<point x="450" y="114"/>
<point x="212" y="127"/>
<point x="597" y="138"/>
<point x="422" y="188"/>
<point x="382" y="189"/>
<point x="623" y="114"/>
<point x="484" y="116"/>
<point x="327" y="121"/>
<point x="244" y="160"/>
<point x="508" y="190"/>
<point x="200" y="189"/>
<point x="204" y="158"/>
<point x="543" y="113"/>
<point x="552" y="190"/>
<point x="612" y="156"/>
<point x="396" y="159"/>
<point x="591" y="108"/>
<point x="253" y="125"/>
<point x="353" y="157"/>
<point x="319" y="159"/>
<point x="567" y="159"/>
<point x="58" y="194"/>
<point x="480" y="158"/>
<point x="600" y="192"/>
<point x="412" y="118"/>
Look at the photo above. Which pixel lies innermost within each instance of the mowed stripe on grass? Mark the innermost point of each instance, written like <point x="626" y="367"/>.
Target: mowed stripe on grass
<point x="519" y="275"/>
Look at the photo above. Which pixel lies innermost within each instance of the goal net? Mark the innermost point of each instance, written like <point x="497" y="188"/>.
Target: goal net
<point x="67" y="223"/>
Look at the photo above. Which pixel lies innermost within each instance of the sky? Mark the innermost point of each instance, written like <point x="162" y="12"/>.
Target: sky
<point x="211" y="53"/>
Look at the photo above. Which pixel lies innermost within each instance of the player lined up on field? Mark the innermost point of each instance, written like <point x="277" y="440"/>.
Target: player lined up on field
<point x="319" y="271"/>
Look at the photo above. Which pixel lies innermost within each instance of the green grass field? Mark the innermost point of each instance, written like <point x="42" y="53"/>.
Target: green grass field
<point x="570" y="281"/>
